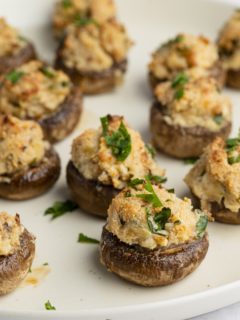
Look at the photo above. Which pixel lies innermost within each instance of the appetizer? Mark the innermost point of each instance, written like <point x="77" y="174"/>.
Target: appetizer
<point x="214" y="180"/>
<point x="153" y="238"/>
<point x="196" y="54"/>
<point x="68" y="12"/>
<point x="29" y="166"/>
<point x="106" y="160"/>
<point x="94" y="55"/>
<point x="188" y="114"/>
<point x="36" y="91"/>
<point x="229" y="50"/>
<point x="14" y="48"/>
<point x="17" y="250"/>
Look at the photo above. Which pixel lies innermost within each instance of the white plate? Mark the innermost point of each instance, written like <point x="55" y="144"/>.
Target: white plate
<point x="78" y="285"/>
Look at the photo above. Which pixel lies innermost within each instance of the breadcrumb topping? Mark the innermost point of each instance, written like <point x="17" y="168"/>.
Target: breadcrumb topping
<point x="21" y="145"/>
<point x="95" y="161"/>
<point x="33" y="91"/>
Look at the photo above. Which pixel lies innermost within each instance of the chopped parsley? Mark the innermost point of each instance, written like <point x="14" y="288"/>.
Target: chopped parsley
<point x="156" y="224"/>
<point x="177" y="39"/>
<point x="66" y="4"/>
<point x="234" y="159"/>
<point x="231" y="145"/>
<point x="118" y="141"/>
<point x="45" y="264"/>
<point x="191" y="160"/>
<point x="150" y="149"/>
<point x="178" y="84"/>
<point x="82" y="238"/>
<point x="84" y="21"/>
<point x="201" y="225"/>
<point x="47" y="72"/>
<point x="15" y="76"/>
<point x="171" y="190"/>
<point x="135" y="182"/>
<point x="218" y="119"/>
<point x="60" y="208"/>
<point x="49" y="306"/>
<point x="127" y="194"/>
<point x="150" y="197"/>
<point x="157" y="179"/>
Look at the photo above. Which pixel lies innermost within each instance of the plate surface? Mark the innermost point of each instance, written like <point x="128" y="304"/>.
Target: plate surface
<point x="78" y="285"/>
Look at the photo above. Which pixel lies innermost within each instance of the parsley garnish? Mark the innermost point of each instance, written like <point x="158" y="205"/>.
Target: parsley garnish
<point x="218" y="119"/>
<point x="150" y="149"/>
<point x="60" y="208"/>
<point x="171" y="190"/>
<point x="15" y="76"/>
<point x="84" y="21"/>
<point x="231" y="145"/>
<point x="135" y="182"/>
<point x="180" y="80"/>
<point x="47" y="72"/>
<point x="201" y="225"/>
<point x="127" y="194"/>
<point x="157" y="223"/>
<point x="191" y="160"/>
<point x="82" y="238"/>
<point x="157" y="179"/>
<point x="119" y="141"/>
<point x="234" y="159"/>
<point x="150" y="197"/>
<point x="66" y="4"/>
<point x="49" y="306"/>
<point x="45" y="264"/>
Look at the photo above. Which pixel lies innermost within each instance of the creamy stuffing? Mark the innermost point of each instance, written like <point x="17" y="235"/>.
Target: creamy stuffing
<point x="33" y="91"/>
<point x="21" y="145"/>
<point x="95" y="48"/>
<point x="69" y="11"/>
<point x="10" y="40"/>
<point x="186" y="51"/>
<point x="215" y="178"/>
<point x="129" y="218"/>
<point x="229" y="42"/>
<point x="194" y="103"/>
<point x="10" y="232"/>
<point x="95" y="160"/>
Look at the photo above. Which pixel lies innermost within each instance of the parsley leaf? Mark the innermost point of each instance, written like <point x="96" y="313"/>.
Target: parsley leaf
<point x="82" y="238"/>
<point x="157" y="179"/>
<point x="218" y="119"/>
<point x="14" y="76"/>
<point x="66" y="4"/>
<point x="150" y="149"/>
<point x="135" y="182"/>
<point x="119" y="141"/>
<point x="157" y="223"/>
<point x="84" y="21"/>
<point x="49" y="306"/>
<point x="234" y="159"/>
<point x="60" y="208"/>
<point x="180" y="80"/>
<point x="191" y="160"/>
<point x="201" y="225"/>
<point x="47" y="72"/>
<point x="150" y="197"/>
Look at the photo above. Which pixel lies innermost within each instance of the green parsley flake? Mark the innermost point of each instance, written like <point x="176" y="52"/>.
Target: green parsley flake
<point x="84" y="21"/>
<point x="150" y="149"/>
<point x="82" y="238"/>
<point x="157" y="223"/>
<point x="178" y="84"/>
<point x="191" y="160"/>
<point x="15" y="76"/>
<point x="60" y="208"/>
<point x="201" y="225"/>
<point x="157" y="179"/>
<point x="135" y="182"/>
<point x="218" y="119"/>
<point x="66" y="4"/>
<point x="49" y="306"/>
<point x="231" y="145"/>
<point x="47" y="72"/>
<point x="150" y="197"/>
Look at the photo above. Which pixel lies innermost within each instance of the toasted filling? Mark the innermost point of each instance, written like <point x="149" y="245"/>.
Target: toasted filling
<point x="21" y="145"/>
<point x="68" y="12"/>
<point x="216" y="176"/>
<point x="10" y="232"/>
<point x="95" y="160"/>
<point x="184" y="52"/>
<point x="33" y="91"/>
<point x="191" y="103"/>
<point x="136" y="221"/>
<point x="10" y="40"/>
<point x="229" y="42"/>
<point x="95" y="48"/>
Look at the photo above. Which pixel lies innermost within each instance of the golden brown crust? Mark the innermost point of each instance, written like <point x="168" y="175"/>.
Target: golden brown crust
<point x="14" y="267"/>
<point x="178" y="141"/>
<point x="150" y="268"/>
<point x="93" y="82"/>
<point x="34" y="181"/>
<point x="9" y="63"/>
<point x="91" y="196"/>
<point x="62" y="122"/>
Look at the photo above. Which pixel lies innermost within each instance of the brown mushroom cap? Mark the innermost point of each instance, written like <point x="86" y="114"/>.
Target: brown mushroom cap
<point x="157" y="267"/>
<point x="61" y="123"/>
<point x="233" y="78"/>
<point x="181" y="142"/>
<point x="33" y="181"/>
<point x="90" y="195"/>
<point x="14" y="267"/>
<point x="26" y="54"/>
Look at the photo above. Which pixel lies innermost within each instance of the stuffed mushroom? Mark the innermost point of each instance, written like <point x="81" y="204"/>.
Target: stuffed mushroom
<point x="95" y="55"/>
<point x="29" y="166"/>
<point x="229" y="50"/>
<point x="186" y="53"/>
<point x="188" y="114"/>
<point x="14" y="48"/>
<point x="153" y="238"/>
<point x="214" y="180"/>
<point x="38" y="92"/>
<point x="106" y="160"/>
<point x="17" y="250"/>
<point x="69" y="12"/>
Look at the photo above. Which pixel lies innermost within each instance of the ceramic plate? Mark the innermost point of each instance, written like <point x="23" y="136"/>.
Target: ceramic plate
<point x="76" y="284"/>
